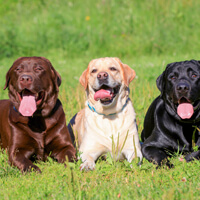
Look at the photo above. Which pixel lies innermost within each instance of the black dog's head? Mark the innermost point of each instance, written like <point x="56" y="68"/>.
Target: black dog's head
<point x="180" y="89"/>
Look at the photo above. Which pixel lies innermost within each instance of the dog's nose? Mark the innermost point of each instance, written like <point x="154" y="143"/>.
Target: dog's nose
<point x="26" y="79"/>
<point x="102" y="75"/>
<point x="182" y="87"/>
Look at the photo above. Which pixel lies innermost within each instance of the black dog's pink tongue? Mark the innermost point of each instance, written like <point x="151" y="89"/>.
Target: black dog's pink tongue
<point x="185" y="110"/>
<point x="28" y="105"/>
<point x="102" y="94"/>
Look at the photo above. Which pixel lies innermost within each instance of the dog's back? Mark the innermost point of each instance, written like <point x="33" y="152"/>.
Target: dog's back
<point x="4" y="125"/>
<point x="149" y="120"/>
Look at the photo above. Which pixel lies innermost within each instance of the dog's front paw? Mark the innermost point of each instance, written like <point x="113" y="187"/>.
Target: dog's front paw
<point x="192" y="156"/>
<point x="87" y="165"/>
<point x="31" y="168"/>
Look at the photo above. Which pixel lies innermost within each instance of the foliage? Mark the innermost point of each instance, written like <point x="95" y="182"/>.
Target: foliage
<point x="99" y="28"/>
<point x="146" y="35"/>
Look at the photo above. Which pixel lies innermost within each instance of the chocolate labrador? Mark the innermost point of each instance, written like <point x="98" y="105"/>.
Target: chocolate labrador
<point x="32" y="121"/>
<point x="173" y="119"/>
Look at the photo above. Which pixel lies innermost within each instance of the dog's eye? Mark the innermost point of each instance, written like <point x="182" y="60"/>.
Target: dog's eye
<point x="38" y="68"/>
<point x="19" y="69"/>
<point x="194" y="76"/>
<point x="94" y="71"/>
<point x="113" y="69"/>
<point x="173" y="77"/>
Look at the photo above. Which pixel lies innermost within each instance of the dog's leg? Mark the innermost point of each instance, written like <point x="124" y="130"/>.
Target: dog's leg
<point x="88" y="158"/>
<point x="156" y="155"/>
<point x="19" y="158"/>
<point x="60" y="154"/>
<point x="195" y="154"/>
<point x="192" y="156"/>
<point x="88" y="162"/>
<point x="132" y="148"/>
<point x="129" y="154"/>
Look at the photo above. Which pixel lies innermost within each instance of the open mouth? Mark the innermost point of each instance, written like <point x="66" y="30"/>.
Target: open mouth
<point x="29" y="101"/>
<point x="37" y="96"/>
<point x="185" y="108"/>
<point x="106" y="94"/>
<point x="183" y="100"/>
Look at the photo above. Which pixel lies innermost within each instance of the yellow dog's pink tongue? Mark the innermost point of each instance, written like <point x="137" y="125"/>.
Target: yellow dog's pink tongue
<point x="102" y="94"/>
<point x="185" y="110"/>
<point x="27" y="106"/>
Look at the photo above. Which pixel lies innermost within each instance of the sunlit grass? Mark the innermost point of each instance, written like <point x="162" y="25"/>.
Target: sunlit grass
<point x="110" y="179"/>
<point x="146" y="35"/>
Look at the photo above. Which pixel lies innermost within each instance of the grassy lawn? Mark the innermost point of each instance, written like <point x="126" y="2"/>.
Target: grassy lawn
<point x="146" y="35"/>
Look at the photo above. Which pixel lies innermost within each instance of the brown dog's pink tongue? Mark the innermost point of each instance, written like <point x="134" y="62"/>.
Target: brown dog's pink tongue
<point x="27" y="106"/>
<point x="102" y="94"/>
<point x="185" y="110"/>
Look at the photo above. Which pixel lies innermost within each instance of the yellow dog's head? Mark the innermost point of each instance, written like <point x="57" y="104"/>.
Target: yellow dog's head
<point x="106" y="82"/>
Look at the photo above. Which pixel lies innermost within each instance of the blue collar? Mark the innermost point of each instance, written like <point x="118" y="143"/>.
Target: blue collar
<point x="94" y="110"/>
<point x="15" y="109"/>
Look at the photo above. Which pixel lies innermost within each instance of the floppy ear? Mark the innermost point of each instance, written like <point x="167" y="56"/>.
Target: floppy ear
<point x="8" y="73"/>
<point x="59" y="80"/>
<point x="84" y="79"/>
<point x="56" y="75"/>
<point x="7" y="80"/>
<point x="159" y="82"/>
<point x="128" y="73"/>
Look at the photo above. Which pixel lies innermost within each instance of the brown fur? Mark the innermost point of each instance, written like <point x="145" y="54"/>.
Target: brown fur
<point x="43" y="134"/>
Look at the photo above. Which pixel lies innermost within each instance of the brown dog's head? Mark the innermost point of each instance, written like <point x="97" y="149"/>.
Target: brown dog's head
<point x="33" y="85"/>
<point x="106" y="82"/>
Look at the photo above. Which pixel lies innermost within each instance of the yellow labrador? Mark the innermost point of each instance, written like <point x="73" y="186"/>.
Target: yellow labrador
<point x="107" y="123"/>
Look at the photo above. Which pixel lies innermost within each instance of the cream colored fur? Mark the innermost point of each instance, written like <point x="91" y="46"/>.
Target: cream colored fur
<point x="94" y="130"/>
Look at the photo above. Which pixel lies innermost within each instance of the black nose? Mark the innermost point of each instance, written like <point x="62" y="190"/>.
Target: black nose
<point x="182" y="87"/>
<point x="102" y="75"/>
<point x="26" y="80"/>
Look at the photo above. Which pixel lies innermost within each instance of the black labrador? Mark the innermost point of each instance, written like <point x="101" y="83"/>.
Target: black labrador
<point x="173" y="119"/>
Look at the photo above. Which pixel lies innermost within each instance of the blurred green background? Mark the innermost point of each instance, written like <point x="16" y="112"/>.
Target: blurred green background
<point x="89" y="28"/>
<point x="146" y="35"/>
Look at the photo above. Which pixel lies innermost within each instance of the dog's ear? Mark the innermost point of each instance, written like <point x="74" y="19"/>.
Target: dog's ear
<point x="159" y="82"/>
<point x="58" y="78"/>
<point x="84" y="79"/>
<point x="8" y="73"/>
<point x="129" y="74"/>
<point x="56" y="75"/>
<point x="7" y="80"/>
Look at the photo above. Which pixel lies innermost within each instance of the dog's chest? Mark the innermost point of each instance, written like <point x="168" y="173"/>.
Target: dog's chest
<point x="38" y="144"/>
<point x="42" y="134"/>
<point x="109" y="126"/>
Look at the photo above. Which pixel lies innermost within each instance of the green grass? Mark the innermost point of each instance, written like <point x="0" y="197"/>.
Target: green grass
<point x="115" y="27"/>
<point x="146" y="35"/>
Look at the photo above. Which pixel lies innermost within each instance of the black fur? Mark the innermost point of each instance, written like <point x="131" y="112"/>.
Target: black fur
<point x="164" y="131"/>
